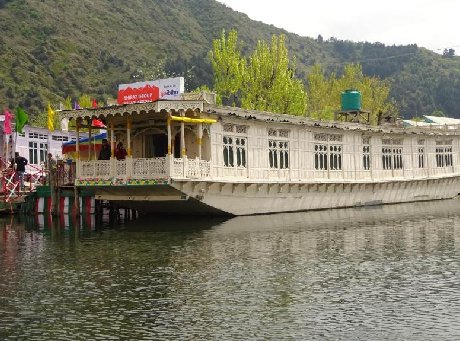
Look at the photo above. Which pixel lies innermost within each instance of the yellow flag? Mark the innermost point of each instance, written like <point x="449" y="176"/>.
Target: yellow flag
<point x="51" y="114"/>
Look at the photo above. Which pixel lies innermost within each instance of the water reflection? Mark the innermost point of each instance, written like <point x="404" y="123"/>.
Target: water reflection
<point x="386" y="272"/>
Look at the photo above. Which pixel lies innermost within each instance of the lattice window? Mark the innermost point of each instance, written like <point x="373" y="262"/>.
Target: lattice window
<point x="328" y="155"/>
<point x="272" y="132"/>
<point x="335" y="137"/>
<point x="283" y="133"/>
<point x="240" y="129"/>
<point x="320" y="137"/>
<point x="278" y="154"/>
<point x="444" y="153"/>
<point x="234" y="148"/>
<point x="392" y="151"/>
<point x="228" y="128"/>
<point x="335" y="157"/>
<point x="206" y="127"/>
<point x="321" y="156"/>
<point x="366" y="153"/>
<point x="421" y="157"/>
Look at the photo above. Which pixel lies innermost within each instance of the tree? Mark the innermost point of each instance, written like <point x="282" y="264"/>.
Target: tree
<point x="270" y="82"/>
<point x="228" y="66"/>
<point x="325" y="94"/>
<point x="449" y="53"/>
<point x="266" y="81"/>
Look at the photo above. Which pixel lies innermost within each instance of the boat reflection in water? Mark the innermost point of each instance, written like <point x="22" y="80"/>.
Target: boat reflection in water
<point x="349" y="217"/>
<point x="388" y="272"/>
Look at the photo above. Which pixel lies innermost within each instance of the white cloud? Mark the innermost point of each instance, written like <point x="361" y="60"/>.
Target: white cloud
<point x="427" y="23"/>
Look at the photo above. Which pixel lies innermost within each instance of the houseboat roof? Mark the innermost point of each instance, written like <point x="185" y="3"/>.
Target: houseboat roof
<point x="224" y="113"/>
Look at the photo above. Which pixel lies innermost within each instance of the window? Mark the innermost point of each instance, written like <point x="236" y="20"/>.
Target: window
<point x="444" y="153"/>
<point x="392" y="151"/>
<point x="278" y="148"/>
<point x="37" y="152"/>
<point x="278" y="154"/>
<point x="328" y="151"/>
<point x="59" y="138"/>
<point x="234" y="145"/>
<point x="366" y="153"/>
<point x="33" y="152"/>
<point x="421" y="153"/>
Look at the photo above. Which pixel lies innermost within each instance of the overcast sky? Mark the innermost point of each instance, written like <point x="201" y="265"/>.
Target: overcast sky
<point x="433" y="24"/>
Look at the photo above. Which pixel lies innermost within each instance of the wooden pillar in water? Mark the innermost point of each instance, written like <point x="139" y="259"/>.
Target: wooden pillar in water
<point x="112" y="138"/>
<point x="182" y="136"/>
<point x="77" y="150"/>
<point x="200" y="139"/>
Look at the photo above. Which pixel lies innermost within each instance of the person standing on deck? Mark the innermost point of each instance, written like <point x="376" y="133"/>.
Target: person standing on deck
<point x="105" y="152"/>
<point x="20" y="163"/>
<point x="120" y="152"/>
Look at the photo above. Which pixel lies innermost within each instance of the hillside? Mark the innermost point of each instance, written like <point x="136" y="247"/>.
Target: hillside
<point x="51" y="49"/>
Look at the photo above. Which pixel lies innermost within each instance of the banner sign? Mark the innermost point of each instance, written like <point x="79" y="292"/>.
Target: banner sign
<point x="141" y="92"/>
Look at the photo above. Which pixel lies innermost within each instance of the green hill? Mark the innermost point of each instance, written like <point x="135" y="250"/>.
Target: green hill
<point x="51" y="49"/>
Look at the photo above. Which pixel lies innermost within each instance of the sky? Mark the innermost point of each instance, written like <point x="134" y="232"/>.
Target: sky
<point x="433" y="24"/>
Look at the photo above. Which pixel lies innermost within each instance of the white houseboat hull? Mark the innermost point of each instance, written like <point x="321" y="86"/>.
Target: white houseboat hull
<point x="218" y="198"/>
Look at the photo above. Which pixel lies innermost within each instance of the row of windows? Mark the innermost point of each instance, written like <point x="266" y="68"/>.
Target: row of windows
<point x="39" y="136"/>
<point x="328" y="156"/>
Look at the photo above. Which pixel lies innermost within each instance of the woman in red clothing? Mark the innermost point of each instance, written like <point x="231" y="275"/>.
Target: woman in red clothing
<point x="120" y="152"/>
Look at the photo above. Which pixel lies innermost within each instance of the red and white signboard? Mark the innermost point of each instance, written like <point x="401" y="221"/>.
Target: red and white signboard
<point x="141" y="92"/>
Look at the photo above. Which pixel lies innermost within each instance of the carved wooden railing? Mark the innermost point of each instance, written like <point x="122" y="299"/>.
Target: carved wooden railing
<point x="143" y="168"/>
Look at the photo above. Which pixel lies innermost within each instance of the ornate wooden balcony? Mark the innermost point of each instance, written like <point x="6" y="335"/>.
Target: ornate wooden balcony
<point x="140" y="170"/>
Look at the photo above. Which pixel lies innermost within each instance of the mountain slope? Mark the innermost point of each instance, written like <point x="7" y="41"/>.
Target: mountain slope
<point x="51" y="49"/>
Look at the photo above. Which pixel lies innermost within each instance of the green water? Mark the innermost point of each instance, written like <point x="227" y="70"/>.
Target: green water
<point x="387" y="273"/>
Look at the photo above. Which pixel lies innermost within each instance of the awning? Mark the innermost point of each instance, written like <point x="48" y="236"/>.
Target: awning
<point x="96" y="142"/>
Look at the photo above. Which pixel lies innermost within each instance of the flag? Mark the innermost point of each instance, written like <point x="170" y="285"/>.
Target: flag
<point x="65" y="124"/>
<point x="21" y="119"/>
<point x="98" y="123"/>
<point x="7" y="122"/>
<point x="94" y="103"/>
<point x="51" y="114"/>
<point x="76" y="106"/>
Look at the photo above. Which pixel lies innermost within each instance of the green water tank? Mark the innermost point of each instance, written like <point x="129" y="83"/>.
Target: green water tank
<point x="351" y="100"/>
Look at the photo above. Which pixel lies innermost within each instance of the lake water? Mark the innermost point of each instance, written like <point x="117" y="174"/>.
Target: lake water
<point x="381" y="273"/>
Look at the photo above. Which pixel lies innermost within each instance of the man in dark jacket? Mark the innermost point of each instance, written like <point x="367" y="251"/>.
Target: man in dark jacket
<point x="105" y="152"/>
<point x="20" y="163"/>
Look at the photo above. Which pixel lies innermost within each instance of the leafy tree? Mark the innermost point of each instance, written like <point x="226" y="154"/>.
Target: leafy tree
<point x="265" y="82"/>
<point x="325" y="94"/>
<point x="85" y="101"/>
<point x="449" y="53"/>
<point x="270" y="83"/>
<point x="229" y="67"/>
<point x="68" y="103"/>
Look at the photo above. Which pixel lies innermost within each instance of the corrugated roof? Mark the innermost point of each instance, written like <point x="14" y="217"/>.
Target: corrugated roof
<point x="441" y="120"/>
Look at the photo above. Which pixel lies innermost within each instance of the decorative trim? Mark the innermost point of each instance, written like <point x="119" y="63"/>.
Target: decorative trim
<point x="120" y="182"/>
<point x="131" y="109"/>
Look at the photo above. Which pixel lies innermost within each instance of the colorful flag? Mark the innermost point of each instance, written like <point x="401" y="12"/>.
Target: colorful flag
<point x="76" y="106"/>
<point x="98" y="123"/>
<point x="21" y="119"/>
<point x="7" y="122"/>
<point x="51" y="114"/>
<point x="94" y="103"/>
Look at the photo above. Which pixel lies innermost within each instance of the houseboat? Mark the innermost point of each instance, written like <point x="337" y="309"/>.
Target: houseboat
<point x="191" y="156"/>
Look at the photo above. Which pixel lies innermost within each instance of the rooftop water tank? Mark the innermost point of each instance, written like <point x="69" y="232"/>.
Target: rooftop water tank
<point x="351" y="100"/>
